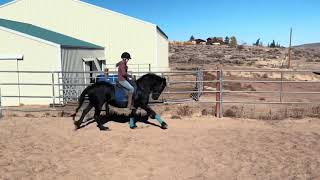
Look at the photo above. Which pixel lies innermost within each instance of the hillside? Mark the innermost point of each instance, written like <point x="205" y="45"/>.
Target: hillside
<point x="311" y="45"/>
<point x="208" y="56"/>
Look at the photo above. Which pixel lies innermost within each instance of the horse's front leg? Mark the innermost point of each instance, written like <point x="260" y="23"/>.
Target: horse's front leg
<point x="132" y="121"/>
<point x="154" y="115"/>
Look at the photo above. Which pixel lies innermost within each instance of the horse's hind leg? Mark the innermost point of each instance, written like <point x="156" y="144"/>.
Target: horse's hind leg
<point x="84" y="113"/>
<point x="107" y="109"/>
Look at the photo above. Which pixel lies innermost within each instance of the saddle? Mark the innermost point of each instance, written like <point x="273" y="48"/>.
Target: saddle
<point x="120" y="91"/>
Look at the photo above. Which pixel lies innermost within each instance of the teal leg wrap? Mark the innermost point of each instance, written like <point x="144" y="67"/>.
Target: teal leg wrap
<point x="132" y="124"/>
<point x="158" y="118"/>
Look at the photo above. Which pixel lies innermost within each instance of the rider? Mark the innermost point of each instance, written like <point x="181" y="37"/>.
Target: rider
<point x="123" y="77"/>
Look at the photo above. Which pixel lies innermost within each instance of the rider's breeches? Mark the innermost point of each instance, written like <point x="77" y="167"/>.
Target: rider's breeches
<point x="127" y="85"/>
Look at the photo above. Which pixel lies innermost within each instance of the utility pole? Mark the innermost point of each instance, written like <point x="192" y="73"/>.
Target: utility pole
<point x="289" y="51"/>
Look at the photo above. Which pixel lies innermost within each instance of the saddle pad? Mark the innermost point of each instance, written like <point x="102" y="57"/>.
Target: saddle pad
<point x="121" y="95"/>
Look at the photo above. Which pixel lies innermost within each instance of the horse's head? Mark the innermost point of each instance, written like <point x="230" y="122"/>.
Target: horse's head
<point x="158" y="88"/>
<point x="152" y="83"/>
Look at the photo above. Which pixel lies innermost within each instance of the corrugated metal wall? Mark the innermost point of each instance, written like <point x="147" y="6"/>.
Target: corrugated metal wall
<point x="116" y="32"/>
<point x="72" y="61"/>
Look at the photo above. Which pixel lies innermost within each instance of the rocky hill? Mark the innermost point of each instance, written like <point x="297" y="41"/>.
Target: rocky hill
<point x="206" y="56"/>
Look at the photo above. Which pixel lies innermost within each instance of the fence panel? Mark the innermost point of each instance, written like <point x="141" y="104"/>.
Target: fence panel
<point x="64" y="87"/>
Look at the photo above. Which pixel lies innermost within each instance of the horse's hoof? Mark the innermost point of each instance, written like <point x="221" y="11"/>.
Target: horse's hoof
<point x="164" y="125"/>
<point x="76" y="126"/>
<point x="133" y="127"/>
<point x="102" y="128"/>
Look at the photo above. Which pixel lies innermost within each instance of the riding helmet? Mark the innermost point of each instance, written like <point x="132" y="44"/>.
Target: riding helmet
<point x="125" y="55"/>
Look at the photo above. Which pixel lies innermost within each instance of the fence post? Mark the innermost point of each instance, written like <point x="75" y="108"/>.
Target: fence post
<point x="221" y="94"/>
<point x="0" y="105"/>
<point x="53" y="91"/>
<point x="281" y="86"/>
<point x="218" y="95"/>
<point x="149" y="67"/>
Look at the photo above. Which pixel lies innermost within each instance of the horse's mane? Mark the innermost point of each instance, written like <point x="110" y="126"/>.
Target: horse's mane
<point x="149" y="76"/>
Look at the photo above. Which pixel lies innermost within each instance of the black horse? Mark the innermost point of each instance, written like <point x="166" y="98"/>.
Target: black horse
<point x="105" y="93"/>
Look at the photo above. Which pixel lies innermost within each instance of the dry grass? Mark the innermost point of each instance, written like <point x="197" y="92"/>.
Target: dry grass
<point x="28" y="115"/>
<point x="272" y="113"/>
<point x="184" y="111"/>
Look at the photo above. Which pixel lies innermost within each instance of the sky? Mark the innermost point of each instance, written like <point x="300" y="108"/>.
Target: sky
<point x="247" y="20"/>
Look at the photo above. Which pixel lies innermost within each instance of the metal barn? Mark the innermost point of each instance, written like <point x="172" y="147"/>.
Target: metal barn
<point x="42" y="50"/>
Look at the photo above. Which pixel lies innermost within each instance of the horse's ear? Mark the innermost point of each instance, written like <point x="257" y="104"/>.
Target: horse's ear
<point x="164" y="81"/>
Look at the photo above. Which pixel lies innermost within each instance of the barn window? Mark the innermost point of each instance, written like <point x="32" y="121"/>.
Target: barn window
<point x="93" y="64"/>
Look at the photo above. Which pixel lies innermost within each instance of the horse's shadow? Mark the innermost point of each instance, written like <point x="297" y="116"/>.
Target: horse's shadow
<point x="118" y="118"/>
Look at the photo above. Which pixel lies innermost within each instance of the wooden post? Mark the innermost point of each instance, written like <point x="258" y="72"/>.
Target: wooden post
<point x="289" y="51"/>
<point x="218" y="95"/>
<point x="0" y="105"/>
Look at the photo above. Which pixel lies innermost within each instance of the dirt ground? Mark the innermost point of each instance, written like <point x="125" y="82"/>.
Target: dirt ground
<point x="192" y="148"/>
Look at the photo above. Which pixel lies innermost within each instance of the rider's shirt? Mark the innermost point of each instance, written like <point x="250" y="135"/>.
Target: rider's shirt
<point x="122" y="71"/>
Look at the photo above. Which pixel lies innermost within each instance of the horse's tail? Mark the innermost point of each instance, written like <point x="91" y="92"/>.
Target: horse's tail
<point x="81" y="100"/>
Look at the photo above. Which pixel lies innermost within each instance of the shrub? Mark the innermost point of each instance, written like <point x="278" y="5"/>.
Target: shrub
<point x="234" y="111"/>
<point x="206" y="112"/>
<point x="262" y="99"/>
<point x="265" y="75"/>
<point x="230" y="113"/>
<point x="175" y="117"/>
<point x="298" y="113"/>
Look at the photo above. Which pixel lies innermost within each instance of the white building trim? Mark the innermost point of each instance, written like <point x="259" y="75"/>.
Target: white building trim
<point x="9" y="3"/>
<point x="18" y="57"/>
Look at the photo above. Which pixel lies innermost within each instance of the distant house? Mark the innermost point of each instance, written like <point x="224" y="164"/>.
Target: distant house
<point x="200" y="41"/>
<point x="215" y="41"/>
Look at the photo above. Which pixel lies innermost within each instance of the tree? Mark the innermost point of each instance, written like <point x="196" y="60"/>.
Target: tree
<point x="233" y="42"/>
<point x="226" y="40"/>
<point x="257" y="42"/>
<point x="273" y="44"/>
<point x="192" y="38"/>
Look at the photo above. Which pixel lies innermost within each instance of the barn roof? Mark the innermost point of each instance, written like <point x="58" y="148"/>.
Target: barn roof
<point x="45" y="34"/>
